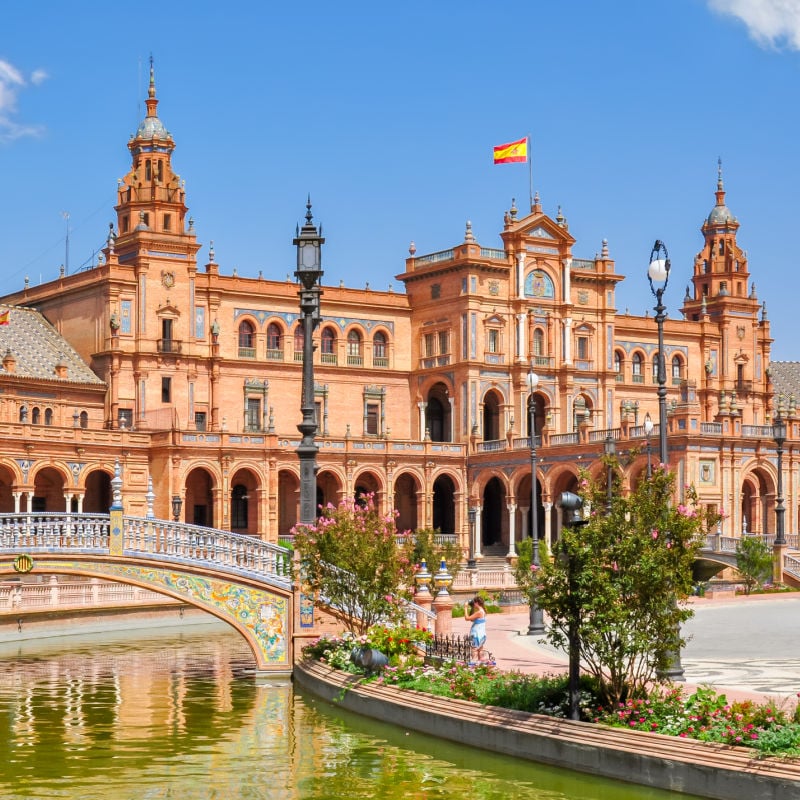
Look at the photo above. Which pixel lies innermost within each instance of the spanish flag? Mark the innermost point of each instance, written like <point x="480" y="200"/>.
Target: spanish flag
<point x="511" y="153"/>
<point x="4" y="317"/>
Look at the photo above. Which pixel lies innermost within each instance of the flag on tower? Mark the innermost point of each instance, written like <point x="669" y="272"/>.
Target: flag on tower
<point x="4" y="317"/>
<point x="511" y="153"/>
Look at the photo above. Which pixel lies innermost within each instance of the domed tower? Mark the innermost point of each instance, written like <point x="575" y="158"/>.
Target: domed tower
<point x="720" y="268"/>
<point x="151" y="196"/>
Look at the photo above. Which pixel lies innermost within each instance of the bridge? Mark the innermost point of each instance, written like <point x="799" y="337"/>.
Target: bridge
<point x="719" y="551"/>
<point x="239" y="579"/>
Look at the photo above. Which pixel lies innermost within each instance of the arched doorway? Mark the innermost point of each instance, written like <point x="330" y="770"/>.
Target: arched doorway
<point x="48" y="491"/>
<point x="329" y="489"/>
<point x="6" y="491"/>
<point x="566" y="482"/>
<point x="437" y="414"/>
<point x="405" y="501"/>
<point x="198" y="507"/>
<point x="444" y="505"/>
<point x="492" y="403"/>
<point x="288" y="500"/>
<point x="524" y="501"/>
<point x="97" y="497"/>
<point x="492" y="514"/>
<point x="758" y="504"/>
<point x="244" y="502"/>
<point x="366" y="484"/>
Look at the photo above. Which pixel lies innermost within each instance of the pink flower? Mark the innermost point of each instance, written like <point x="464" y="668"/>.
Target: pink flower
<point x="654" y="533"/>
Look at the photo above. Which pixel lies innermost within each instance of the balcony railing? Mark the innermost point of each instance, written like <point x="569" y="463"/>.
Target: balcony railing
<point x="274" y="354"/>
<point x="328" y="358"/>
<point x="355" y="361"/>
<point x="637" y="378"/>
<point x="543" y="361"/>
<point x="492" y="446"/>
<point x="714" y="428"/>
<point x="758" y="431"/>
<point x="564" y="438"/>
<point x="169" y="345"/>
<point x="247" y="352"/>
<point x="380" y="361"/>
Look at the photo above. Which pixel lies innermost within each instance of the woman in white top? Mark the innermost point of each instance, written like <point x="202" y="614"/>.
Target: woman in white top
<point x="477" y="633"/>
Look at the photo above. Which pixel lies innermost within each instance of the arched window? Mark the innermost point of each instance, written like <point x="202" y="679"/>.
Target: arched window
<point x="618" y="363"/>
<point x="48" y="416"/>
<point x="84" y="419"/>
<point x="36" y="416"/>
<point x="23" y="413"/>
<point x="354" y="348"/>
<point x="538" y="342"/>
<point x="636" y="368"/>
<point x="273" y="336"/>
<point x="328" y="341"/>
<point x="246" y="339"/>
<point x="655" y="368"/>
<point x="676" y="368"/>
<point x="581" y="412"/>
<point x="379" y="351"/>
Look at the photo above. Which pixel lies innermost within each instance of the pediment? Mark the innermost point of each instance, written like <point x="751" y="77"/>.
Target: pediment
<point x="168" y="310"/>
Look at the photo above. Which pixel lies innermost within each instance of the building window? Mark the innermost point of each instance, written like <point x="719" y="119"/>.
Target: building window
<point x="676" y="368"/>
<point x="84" y="419"/>
<point x="379" y="351"/>
<point x="48" y="416"/>
<point x="636" y="368"/>
<point x="430" y="345"/>
<point x="328" y="346"/>
<point x="166" y="390"/>
<point x="354" y="349"/>
<point x="583" y="348"/>
<point x="655" y="368"/>
<point x="246" y="340"/>
<point x="298" y="342"/>
<point x="274" y="344"/>
<point x="538" y="342"/>
<point x="167" y="222"/>
<point x="125" y="418"/>
<point x="253" y="414"/>
<point x="494" y="341"/>
<point x="36" y="415"/>
<point x="200" y="420"/>
<point x="372" y="419"/>
<point x="444" y="342"/>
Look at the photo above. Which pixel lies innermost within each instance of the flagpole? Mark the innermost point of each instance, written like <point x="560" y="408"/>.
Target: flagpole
<point x="530" y="171"/>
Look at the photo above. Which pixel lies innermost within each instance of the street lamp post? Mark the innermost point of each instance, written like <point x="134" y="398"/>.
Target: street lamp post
<point x="309" y="271"/>
<point x="658" y="273"/>
<point x="610" y="449"/>
<point x="648" y="432"/>
<point x="779" y="434"/>
<point x="658" y="276"/>
<point x="536" y="620"/>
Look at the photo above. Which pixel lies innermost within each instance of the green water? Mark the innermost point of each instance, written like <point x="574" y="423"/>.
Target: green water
<point x="175" y="713"/>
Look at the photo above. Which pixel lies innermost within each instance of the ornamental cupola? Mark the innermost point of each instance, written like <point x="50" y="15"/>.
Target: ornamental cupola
<point x="720" y="268"/>
<point x="151" y="197"/>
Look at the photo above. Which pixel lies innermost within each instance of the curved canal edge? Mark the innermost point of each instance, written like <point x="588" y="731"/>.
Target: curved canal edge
<point x="705" y="769"/>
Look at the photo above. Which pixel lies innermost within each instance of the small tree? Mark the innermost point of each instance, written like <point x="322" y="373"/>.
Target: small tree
<point x="425" y="547"/>
<point x="526" y="576"/>
<point x="754" y="561"/>
<point x="619" y="582"/>
<point x="353" y="559"/>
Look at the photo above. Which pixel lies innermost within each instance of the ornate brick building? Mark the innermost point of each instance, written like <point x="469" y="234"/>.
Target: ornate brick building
<point x="421" y="396"/>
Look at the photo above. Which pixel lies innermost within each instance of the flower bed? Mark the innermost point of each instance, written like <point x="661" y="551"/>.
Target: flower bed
<point x="704" y="715"/>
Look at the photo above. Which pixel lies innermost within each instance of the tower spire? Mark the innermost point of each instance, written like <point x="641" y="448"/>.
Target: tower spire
<point x="152" y="101"/>
<point x="720" y="185"/>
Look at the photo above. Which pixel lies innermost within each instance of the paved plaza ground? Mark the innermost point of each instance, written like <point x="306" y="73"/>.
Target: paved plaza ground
<point x="746" y="647"/>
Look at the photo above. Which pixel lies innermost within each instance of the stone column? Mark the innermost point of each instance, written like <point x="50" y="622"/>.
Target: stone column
<point x="478" y="532"/>
<point x="443" y="606"/>
<point x="548" y="527"/>
<point x="512" y="532"/>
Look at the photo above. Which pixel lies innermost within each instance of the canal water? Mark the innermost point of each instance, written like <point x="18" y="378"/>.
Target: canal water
<point x="177" y="713"/>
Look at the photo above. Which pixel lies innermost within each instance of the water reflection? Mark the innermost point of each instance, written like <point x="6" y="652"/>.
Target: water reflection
<point x="180" y="715"/>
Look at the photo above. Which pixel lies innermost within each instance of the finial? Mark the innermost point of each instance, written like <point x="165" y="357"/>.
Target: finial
<point x="191" y="224"/>
<point x="412" y="248"/>
<point x="151" y="91"/>
<point x="513" y="208"/>
<point x="719" y="173"/>
<point x="211" y="251"/>
<point x="752" y="291"/>
<point x="559" y="217"/>
<point x="704" y="307"/>
<point x="309" y="218"/>
<point x="764" y="311"/>
<point x="235" y="273"/>
<point x="468" y="237"/>
<point x="688" y="295"/>
<point x="61" y="271"/>
<point x="604" y="251"/>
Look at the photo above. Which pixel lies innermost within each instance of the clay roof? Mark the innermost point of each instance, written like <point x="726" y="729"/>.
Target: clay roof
<point x="38" y="349"/>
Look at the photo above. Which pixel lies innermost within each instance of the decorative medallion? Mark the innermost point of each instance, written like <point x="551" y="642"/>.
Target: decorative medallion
<point x="583" y="297"/>
<point x="23" y="563"/>
<point x="167" y="279"/>
<point x="494" y="288"/>
<point x="740" y="330"/>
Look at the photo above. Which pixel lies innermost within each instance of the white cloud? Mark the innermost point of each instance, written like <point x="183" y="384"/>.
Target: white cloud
<point x="12" y="81"/>
<point x="771" y="23"/>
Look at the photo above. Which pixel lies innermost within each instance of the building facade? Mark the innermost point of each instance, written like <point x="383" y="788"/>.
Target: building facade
<point x="421" y="396"/>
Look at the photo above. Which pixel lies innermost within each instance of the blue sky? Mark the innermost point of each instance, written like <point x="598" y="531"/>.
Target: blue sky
<point x="387" y="114"/>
